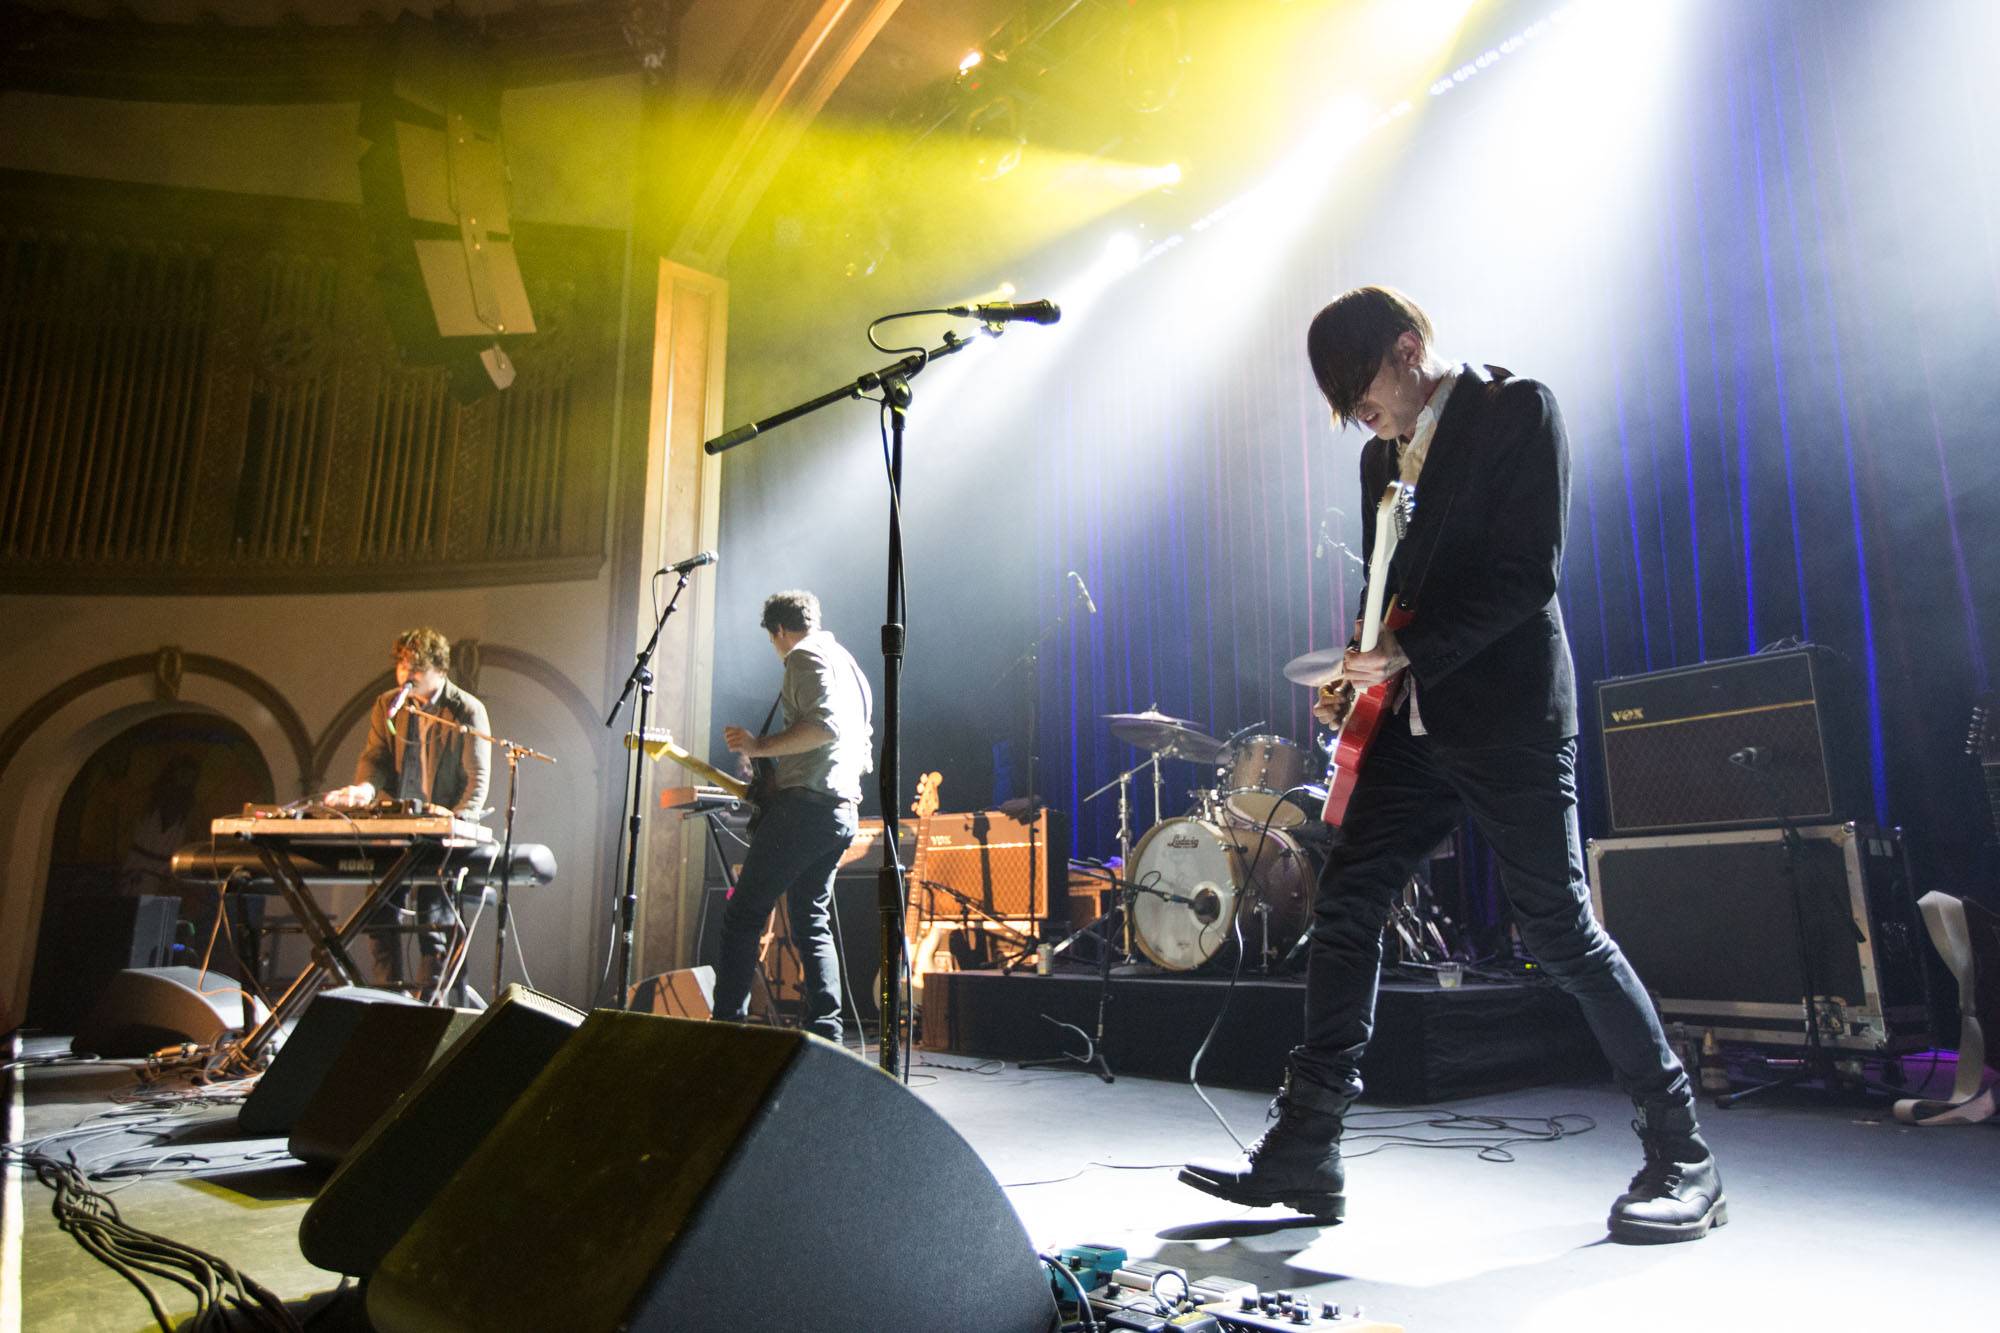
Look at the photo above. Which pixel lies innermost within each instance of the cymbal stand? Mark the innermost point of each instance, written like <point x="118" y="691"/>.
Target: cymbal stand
<point x="1123" y="782"/>
<point x="515" y="753"/>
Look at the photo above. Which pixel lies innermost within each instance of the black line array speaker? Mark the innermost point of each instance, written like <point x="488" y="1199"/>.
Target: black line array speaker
<point x="294" y="1077"/>
<point x="90" y="938"/>
<point x="406" y="1157"/>
<point x="145" y="1008"/>
<point x="388" y="1049"/>
<point x="667" y="1174"/>
<point x="1668" y="737"/>
<point x="434" y="187"/>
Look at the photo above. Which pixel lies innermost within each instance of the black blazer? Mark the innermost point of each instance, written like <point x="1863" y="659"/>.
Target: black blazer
<point x="1480" y="563"/>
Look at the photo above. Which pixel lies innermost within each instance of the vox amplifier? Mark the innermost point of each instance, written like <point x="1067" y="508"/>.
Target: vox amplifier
<point x="1672" y="741"/>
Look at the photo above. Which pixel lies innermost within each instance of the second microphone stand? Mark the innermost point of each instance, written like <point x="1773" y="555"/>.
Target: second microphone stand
<point x="641" y="679"/>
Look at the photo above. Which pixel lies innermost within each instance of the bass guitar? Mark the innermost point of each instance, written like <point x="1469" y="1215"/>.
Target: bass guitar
<point x="1358" y="714"/>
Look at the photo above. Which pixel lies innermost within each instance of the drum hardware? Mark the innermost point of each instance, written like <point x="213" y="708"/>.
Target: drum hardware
<point x="1260" y="778"/>
<point x="1168" y="737"/>
<point x="1414" y="922"/>
<point x="1123" y="782"/>
<point x="1200" y="877"/>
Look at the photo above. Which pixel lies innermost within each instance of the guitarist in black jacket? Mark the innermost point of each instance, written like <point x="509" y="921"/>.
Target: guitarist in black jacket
<point x="1483" y="724"/>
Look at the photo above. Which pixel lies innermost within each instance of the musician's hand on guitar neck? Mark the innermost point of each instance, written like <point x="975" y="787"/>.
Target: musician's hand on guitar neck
<point x="741" y="741"/>
<point x="1378" y="664"/>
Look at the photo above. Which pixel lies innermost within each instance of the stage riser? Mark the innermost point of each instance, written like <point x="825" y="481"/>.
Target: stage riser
<point x="1430" y="1044"/>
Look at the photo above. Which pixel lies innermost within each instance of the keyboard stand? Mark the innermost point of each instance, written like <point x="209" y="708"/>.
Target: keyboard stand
<point x="331" y="961"/>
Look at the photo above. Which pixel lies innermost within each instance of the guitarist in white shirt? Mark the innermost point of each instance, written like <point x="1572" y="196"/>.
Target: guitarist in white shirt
<point x="1483" y="725"/>
<point x="809" y="799"/>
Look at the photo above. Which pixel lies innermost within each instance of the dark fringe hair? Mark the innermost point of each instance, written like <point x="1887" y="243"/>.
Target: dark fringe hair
<point x="1349" y="340"/>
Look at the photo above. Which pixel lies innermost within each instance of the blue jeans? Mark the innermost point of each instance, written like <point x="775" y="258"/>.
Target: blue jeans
<point x="793" y="855"/>
<point x="1410" y="795"/>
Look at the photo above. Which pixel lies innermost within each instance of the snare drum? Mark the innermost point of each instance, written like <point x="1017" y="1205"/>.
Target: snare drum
<point x="1260" y="769"/>
<point x="1204" y="871"/>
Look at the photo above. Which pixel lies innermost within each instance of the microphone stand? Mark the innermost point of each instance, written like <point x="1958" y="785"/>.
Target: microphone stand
<point x="626" y="905"/>
<point x="893" y="382"/>
<point x="1092" y="1058"/>
<point x="515" y="753"/>
<point x="1815" y="1065"/>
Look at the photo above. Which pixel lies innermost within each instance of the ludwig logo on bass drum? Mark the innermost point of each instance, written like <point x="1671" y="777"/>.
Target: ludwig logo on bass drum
<point x="1184" y="841"/>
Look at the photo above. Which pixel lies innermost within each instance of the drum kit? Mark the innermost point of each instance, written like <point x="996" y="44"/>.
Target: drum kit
<point x="1242" y="863"/>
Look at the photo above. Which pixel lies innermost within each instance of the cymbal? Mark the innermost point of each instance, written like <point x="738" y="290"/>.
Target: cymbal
<point x="1168" y="737"/>
<point x="1316" y="667"/>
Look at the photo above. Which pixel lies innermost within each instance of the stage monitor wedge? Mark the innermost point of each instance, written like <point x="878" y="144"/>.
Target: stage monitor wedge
<point x="309" y="1051"/>
<point x="147" y="1008"/>
<point x="401" y="1163"/>
<point x="701" y="1177"/>
<point x="388" y="1050"/>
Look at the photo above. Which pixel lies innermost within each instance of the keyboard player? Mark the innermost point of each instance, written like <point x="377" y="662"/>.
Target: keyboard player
<point x="409" y="756"/>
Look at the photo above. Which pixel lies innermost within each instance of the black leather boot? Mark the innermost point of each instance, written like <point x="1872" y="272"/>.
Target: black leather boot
<point x="1677" y="1194"/>
<point x="1296" y="1163"/>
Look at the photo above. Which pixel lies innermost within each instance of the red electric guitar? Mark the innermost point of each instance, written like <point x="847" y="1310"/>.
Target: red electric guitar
<point x="1358" y="713"/>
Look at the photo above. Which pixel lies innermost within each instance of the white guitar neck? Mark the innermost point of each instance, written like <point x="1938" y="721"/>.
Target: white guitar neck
<point x="1386" y="536"/>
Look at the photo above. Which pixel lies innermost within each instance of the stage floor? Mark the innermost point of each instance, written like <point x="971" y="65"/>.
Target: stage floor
<point x="1840" y="1217"/>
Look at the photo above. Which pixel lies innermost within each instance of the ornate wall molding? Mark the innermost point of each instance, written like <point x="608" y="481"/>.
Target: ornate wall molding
<point x="155" y="667"/>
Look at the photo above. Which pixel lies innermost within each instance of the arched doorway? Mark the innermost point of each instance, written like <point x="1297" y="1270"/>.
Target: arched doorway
<point x="145" y="792"/>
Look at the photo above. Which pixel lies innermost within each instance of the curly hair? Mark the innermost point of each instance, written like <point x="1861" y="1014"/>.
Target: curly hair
<point x="1349" y="340"/>
<point x="425" y="647"/>
<point x="796" y="610"/>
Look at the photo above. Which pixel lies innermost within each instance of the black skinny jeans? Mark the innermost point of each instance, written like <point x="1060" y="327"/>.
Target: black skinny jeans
<point x="1410" y="795"/>
<point x="793" y="855"/>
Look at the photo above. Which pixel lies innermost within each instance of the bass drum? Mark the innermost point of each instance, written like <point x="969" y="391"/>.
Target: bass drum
<point x="1207" y="870"/>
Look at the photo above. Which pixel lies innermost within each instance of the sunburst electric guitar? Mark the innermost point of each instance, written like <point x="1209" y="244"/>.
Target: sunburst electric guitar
<point x="1358" y="714"/>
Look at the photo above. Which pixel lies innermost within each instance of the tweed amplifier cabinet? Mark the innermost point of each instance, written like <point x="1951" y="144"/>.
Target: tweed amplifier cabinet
<point x="1669" y="737"/>
<point x="1708" y="922"/>
<point x="1001" y="863"/>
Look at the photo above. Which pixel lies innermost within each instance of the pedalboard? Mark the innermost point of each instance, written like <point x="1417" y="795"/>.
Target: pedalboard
<point x="1147" y="1297"/>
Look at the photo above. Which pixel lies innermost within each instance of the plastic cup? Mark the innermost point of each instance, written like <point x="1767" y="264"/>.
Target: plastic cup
<point x="1450" y="974"/>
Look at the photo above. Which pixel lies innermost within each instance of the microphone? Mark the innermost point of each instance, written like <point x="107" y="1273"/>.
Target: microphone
<point x="1083" y="592"/>
<point x="396" y="704"/>
<point x="692" y="562"/>
<point x="1751" y="757"/>
<point x="1008" y="312"/>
